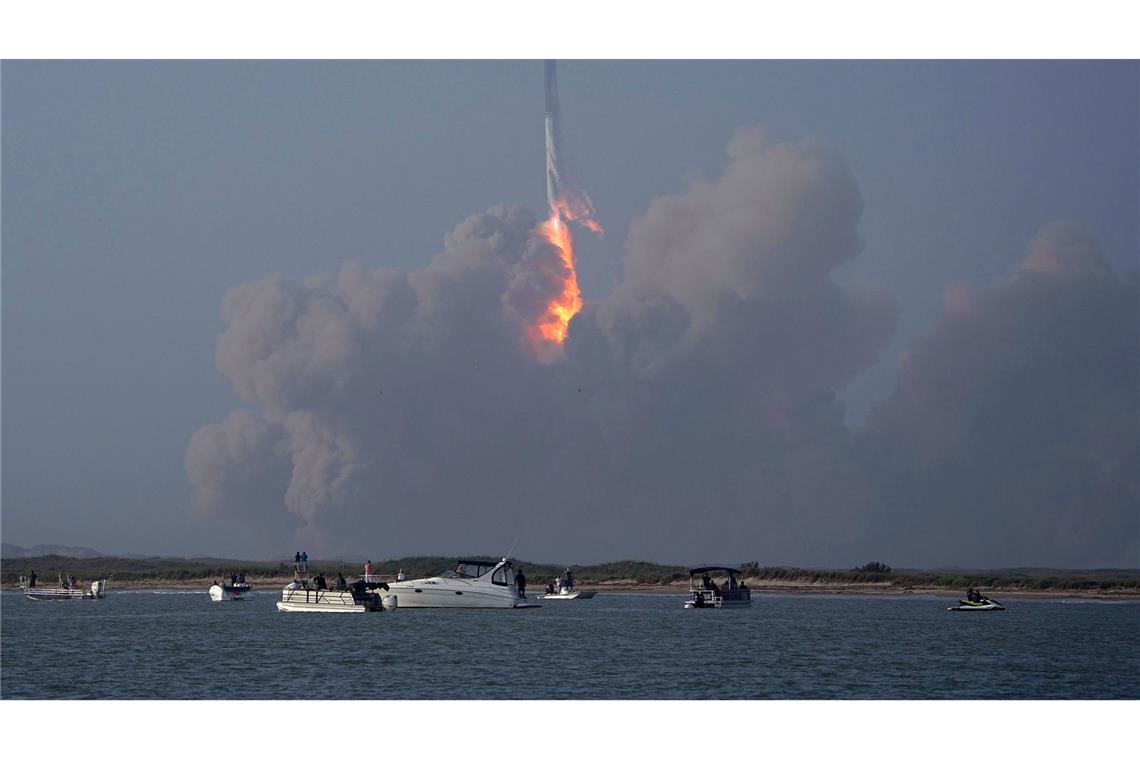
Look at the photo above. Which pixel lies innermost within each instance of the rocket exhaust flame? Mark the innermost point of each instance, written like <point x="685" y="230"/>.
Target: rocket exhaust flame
<point x="567" y="204"/>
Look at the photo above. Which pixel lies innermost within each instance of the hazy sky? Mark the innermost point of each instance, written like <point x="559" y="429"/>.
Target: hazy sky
<point x="896" y="320"/>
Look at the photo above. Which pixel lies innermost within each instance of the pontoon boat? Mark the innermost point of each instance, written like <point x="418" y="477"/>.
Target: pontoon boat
<point x="67" y="589"/>
<point x="705" y="592"/>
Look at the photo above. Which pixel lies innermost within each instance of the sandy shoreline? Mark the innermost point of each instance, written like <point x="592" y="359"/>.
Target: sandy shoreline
<point x="628" y="587"/>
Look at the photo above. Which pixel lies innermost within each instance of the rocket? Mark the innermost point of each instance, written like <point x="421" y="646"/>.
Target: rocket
<point x="563" y="196"/>
<point x="553" y="179"/>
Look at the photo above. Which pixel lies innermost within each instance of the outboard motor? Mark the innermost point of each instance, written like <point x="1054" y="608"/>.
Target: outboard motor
<point x="390" y="601"/>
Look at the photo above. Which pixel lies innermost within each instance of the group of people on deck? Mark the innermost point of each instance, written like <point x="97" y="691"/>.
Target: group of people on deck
<point x="564" y="581"/>
<point x="730" y="585"/>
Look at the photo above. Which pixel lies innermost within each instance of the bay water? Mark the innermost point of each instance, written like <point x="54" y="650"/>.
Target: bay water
<point x="180" y="645"/>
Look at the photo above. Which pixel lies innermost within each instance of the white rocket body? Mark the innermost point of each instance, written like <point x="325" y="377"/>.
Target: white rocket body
<point x="553" y="180"/>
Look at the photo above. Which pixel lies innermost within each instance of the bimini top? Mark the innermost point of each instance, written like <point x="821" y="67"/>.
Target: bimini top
<point x="722" y="568"/>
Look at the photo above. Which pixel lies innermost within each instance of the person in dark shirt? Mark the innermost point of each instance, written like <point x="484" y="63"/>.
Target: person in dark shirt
<point x="32" y="580"/>
<point x="520" y="583"/>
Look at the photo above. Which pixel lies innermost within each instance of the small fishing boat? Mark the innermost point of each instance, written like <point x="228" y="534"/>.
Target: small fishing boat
<point x="568" y="594"/>
<point x="68" y="588"/>
<point x="705" y="593"/>
<point x="979" y="606"/>
<point x="230" y="592"/>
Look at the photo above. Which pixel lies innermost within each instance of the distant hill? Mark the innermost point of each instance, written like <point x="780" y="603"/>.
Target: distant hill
<point x="12" y="551"/>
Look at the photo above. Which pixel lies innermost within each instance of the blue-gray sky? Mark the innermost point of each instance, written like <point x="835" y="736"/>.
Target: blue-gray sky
<point x="136" y="195"/>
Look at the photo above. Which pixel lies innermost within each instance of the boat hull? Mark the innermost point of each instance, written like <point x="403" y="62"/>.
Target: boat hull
<point x="572" y="595"/>
<point x="59" y="594"/>
<point x="990" y="607"/>
<point x="227" y="593"/>
<point x="460" y="595"/>
<point x="722" y="605"/>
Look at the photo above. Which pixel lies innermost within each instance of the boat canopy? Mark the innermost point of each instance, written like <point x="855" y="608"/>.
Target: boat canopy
<point x="709" y="568"/>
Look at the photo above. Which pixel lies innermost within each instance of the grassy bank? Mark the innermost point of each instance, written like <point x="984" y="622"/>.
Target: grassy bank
<point x="628" y="573"/>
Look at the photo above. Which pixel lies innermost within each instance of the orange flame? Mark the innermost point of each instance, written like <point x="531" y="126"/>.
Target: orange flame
<point x="552" y="325"/>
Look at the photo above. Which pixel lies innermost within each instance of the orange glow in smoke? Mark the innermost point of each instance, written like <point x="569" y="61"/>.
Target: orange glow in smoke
<point x="551" y="327"/>
<point x="562" y="308"/>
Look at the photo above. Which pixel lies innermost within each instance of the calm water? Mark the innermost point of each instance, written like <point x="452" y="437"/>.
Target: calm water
<point x="179" y="645"/>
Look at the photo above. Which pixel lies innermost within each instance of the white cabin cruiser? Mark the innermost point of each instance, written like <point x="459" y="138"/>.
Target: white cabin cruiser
<point x="474" y="584"/>
<point x="704" y="591"/>
<point x="67" y="589"/>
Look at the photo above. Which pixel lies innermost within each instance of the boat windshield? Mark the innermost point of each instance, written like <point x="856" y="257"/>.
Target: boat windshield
<point x="468" y="570"/>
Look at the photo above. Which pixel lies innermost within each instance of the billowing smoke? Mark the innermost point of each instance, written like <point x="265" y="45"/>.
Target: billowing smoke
<point x="1013" y="435"/>
<point x="692" y="414"/>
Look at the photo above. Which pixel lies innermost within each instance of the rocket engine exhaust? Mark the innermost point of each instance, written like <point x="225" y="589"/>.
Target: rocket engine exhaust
<point x="567" y="204"/>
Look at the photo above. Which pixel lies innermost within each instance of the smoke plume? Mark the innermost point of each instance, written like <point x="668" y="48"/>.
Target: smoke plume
<point x="692" y="413"/>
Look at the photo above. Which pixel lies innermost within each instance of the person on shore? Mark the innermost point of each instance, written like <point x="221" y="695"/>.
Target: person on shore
<point x="368" y="570"/>
<point x="520" y="583"/>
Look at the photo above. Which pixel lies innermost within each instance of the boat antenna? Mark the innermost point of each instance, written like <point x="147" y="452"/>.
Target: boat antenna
<point x="508" y="555"/>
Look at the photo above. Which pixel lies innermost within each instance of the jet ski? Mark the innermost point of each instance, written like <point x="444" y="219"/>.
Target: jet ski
<point x="984" y="604"/>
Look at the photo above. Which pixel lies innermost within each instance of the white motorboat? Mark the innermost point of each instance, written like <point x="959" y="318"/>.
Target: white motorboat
<point x="979" y="606"/>
<point x="67" y="589"/>
<point x="705" y="593"/>
<point x="229" y="592"/>
<point x="567" y="594"/>
<point x="472" y="584"/>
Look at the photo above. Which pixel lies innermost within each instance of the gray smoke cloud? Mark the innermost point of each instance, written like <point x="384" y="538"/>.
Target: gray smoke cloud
<point x="1013" y="434"/>
<point x="693" y="415"/>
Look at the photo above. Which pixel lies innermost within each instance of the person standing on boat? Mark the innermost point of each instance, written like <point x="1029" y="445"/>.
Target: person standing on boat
<point x="569" y="580"/>
<point x="304" y="562"/>
<point x="368" y="571"/>
<point x="400" y="575"/>
<point x="520" y="583"/>
<point x="32" y="580"/>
